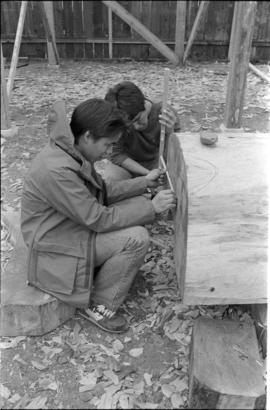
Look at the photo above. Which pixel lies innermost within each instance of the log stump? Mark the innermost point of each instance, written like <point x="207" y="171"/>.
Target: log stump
<point x="225" y="367"/>
<point x="25" y="310"/>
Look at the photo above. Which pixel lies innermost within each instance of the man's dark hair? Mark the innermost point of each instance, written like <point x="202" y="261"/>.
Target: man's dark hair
<point x="100" y="117"/>
<point x="127" y="97"/>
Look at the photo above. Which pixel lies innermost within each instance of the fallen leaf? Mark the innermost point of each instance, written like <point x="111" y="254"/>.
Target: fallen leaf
<point x="177" y="400"/>
<point x="19" y="359"/>
<point x="146" y="405"/>
<point x="147" y="378"/>
<point x="105" y="401"/>
<point x="4" y="391"/>
<point x="12" y="342"/>
<point x="136" y="352"/>
<point x="180" y="384"/>
<point x="89" y="380"/>
<point x="111" y="375"/>
<point x="127" y="339"/>
<point x="167" y="390"/>
<point x="14" y="398"/>
<point x="38" y="365"/>
<point x="124" y="401"/>
<point x="37" y="403"/>
<point x="139" y="388"/>
<point x="118" y="346"/>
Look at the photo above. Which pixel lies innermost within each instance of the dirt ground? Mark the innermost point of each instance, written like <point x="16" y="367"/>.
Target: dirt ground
<point x="78" y="365"/>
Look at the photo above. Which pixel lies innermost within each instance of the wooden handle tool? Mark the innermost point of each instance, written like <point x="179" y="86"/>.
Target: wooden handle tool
<point x="164" y="106"/>
<point x="167" y="173"/>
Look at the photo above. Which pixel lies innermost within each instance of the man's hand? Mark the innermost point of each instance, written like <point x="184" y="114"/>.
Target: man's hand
<point x="167" y="118"/>
<point x="155" y="178"/>
<point x="164" y="200"/>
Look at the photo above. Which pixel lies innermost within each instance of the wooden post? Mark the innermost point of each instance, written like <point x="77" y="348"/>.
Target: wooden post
<point x="232" y="37"/>
<point x="136" y="25"/>
<point x="202" y="8"/>
<point x="48" y="31"/>
<point x="240" y="63"/>
<point x="110" y="32"/>
<point x="16" y="49"/>
<point x="180" y="29"/>
<point x="48" y="7"/>
<point x="5" y="117"/>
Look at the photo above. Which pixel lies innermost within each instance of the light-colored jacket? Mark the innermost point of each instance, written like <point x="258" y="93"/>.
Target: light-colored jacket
<point x="64" y="204"/>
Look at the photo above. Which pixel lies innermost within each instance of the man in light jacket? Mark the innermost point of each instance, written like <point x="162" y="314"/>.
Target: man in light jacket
<point x="85" y="238"/>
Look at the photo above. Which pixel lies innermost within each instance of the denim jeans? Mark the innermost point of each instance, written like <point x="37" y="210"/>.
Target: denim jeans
<point x="119" y="255"/>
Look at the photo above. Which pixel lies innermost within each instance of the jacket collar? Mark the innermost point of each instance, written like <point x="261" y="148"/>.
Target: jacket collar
<point x="60" y="134"/>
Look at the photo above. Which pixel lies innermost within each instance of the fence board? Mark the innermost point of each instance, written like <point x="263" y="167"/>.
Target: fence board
<point x="38" y="28"/>
<point x="76" y="20"/>
<point x="88" y="19"/>
<point x="58" y="19"/>
<point x="68" y="27"/>
<point x="78" y="29"/>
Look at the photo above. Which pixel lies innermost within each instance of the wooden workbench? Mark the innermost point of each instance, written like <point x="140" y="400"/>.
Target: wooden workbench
<point x="226" y="255"/>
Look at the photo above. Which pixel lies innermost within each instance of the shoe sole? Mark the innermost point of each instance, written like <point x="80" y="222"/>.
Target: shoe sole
<point x="99" y="325"/>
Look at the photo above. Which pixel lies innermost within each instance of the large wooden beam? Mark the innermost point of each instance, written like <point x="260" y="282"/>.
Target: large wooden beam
<point x="180" y="29"/>
<point x="110" y="30"/>
<point x="202" y="9"/>
<point x="5" y="117"/>
<point x="226" y="371"/>
<point x="49" y="30"/>
<point x="227" y="244"/>
<point x="136" y="25"/>
<point x="177" y="170"/>
<point x="233" y="27"/>
<point x="16" y="49"/>
<point x="245" y="19"/>
<point x="48" y="7"/>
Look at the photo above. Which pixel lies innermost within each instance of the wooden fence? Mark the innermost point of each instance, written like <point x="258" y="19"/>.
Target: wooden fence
<point x="81" y="29"/>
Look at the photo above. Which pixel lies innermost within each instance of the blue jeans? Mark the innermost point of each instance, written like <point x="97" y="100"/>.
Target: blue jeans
<point x="119" y="255"/>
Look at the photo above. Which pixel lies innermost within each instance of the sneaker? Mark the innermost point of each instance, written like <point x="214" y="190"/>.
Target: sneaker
<point x="105" y="318"/>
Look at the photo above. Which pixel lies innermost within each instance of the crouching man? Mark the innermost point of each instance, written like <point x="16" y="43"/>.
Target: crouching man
<point x="85" y="238"/>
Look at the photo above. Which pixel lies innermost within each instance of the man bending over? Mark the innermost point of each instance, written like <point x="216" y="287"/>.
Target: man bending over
<point x="85" y="238"/>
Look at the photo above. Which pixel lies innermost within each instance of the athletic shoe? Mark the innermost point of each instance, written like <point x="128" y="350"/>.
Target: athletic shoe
<point x="105" y="318"/>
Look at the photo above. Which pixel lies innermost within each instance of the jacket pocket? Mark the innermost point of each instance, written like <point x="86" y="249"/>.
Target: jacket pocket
<point x="56" y="267"/>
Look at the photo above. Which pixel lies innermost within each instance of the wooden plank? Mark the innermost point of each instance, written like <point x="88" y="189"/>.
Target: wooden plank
<point x="233" y="29"/>
<point x="68" y="27"/>
<point x="59" y="19"/>
<point x="177" y="171"/>
<point x="110" y="33"/>
<point x="142" y="30"/>
<point x="180" y="29"/>
<point x="202" y="9"/>
<point x="16" y="49"/>
<point x="5" y="116"/>
<point x="88" y="19"/>
<point x="245" y="19"/>
<point x="225" y="367"/>
<point x="228" y="213"/>
<point x="78" y="29"/>
<point x="53" y="58"/>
